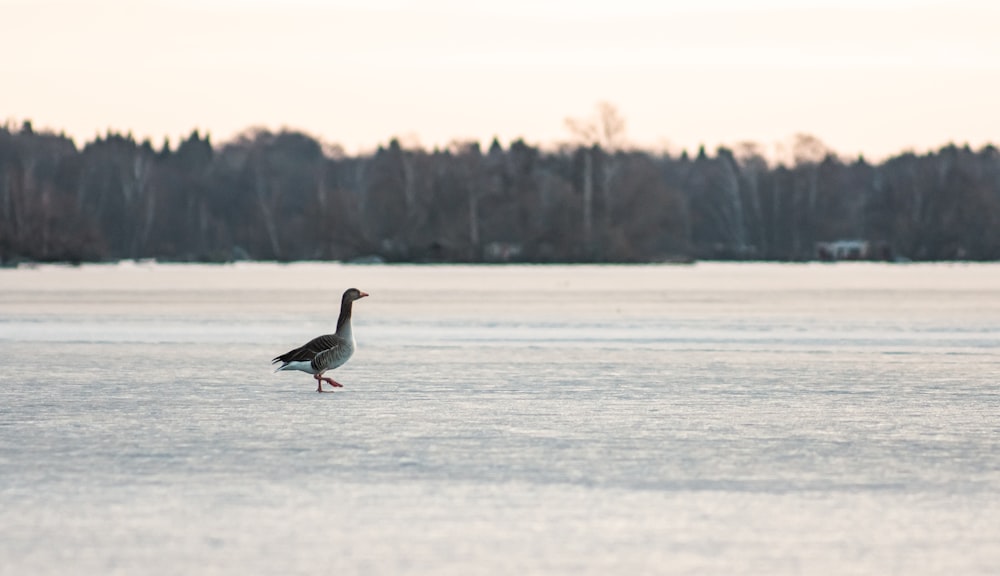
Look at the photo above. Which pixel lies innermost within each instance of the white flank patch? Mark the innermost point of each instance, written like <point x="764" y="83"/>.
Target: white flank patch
<point x="298" y="365"/>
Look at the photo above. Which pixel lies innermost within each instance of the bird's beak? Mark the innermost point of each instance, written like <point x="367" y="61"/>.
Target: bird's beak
<point x="363" y="294"/>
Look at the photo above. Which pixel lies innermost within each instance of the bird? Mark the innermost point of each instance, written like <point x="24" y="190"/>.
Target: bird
<point x="326" y="352"/>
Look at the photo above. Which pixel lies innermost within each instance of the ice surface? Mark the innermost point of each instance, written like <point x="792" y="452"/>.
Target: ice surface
<point x="707" y="419"/>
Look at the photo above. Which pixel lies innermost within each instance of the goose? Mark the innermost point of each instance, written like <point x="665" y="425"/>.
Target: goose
<point x="325" y="352"/>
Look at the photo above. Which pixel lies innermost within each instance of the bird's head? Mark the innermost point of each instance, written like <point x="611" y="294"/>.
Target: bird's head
<point x="352" y="294"/>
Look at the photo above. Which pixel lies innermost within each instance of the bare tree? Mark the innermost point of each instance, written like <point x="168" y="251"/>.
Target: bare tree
<point x="752" y="167"/>
<point x="470" y="160"/>
<point x="603" y="131"/>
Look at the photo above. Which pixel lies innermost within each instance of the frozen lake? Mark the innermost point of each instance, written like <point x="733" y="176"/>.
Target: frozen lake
<point x="722" y="419"/>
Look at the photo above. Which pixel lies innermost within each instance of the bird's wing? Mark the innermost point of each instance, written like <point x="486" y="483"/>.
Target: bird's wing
<point x="332" y="357"/>
<point x="309" y="350"/>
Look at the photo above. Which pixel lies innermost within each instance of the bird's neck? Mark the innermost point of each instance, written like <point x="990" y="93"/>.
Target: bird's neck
<point x="344" y="322"/>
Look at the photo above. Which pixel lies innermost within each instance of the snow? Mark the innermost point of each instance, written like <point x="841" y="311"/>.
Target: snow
<point x="707" y="419"/>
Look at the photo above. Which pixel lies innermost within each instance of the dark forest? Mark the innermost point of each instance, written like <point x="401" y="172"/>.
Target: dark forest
<point x="287" y="196"/>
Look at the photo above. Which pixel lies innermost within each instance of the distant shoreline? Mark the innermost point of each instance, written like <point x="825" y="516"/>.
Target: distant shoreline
<point x="28" y="264"/>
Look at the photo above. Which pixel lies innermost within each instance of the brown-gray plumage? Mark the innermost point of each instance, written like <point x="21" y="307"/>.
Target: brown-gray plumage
<point x="328" y="351"/>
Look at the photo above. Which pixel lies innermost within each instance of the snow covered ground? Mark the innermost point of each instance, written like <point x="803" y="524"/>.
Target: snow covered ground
<point x="706" y="419"/>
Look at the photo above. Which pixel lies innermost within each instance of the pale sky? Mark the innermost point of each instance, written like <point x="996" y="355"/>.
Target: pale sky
<point x="865" y="76"/>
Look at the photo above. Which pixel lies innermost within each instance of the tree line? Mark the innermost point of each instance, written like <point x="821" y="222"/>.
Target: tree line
<point x="287" y="196"/>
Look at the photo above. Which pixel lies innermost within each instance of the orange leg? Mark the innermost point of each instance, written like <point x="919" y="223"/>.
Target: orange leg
<point x="320" y="379"/>
<point x="332" y="382"/>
